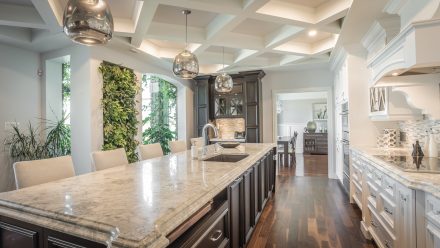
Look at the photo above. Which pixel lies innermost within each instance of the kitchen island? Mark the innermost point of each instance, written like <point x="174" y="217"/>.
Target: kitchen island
<point x="154" y="203"/>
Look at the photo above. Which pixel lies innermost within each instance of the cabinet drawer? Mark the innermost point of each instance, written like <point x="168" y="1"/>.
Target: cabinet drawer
<point x="432" y="208"/>
<point x="432" y="235"/>
<point x="380" y="234"/>
<point x="215" y="236"/>
<point x="357" y="174"/>
<point x="372" y="194"/>
<point x="389" y="188"/>
<point x="388" y="212"/>
<point x="357" y="195"/>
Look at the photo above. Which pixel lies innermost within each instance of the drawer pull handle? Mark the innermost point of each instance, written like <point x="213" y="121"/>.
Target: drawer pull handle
<point x="373" y="195"/>
<point x="388" y="211"/>
<point x="216" y="235"/>
<point x="373" y="224"/>
<point x="390" y="187"/>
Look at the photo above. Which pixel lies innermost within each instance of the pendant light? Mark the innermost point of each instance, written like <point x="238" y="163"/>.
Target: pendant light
<point x="223" y="82"/>
<point x="88" y="22"/>
<point x="185" y="64"/>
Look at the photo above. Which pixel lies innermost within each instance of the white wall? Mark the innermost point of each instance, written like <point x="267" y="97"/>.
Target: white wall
<point x="306" y="80"/>
<point x="54" y="99"/>
<point x="20" y="99"/>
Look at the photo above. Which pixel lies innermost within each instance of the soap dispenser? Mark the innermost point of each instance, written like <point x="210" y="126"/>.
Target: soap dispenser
<point x="432" y="145"/>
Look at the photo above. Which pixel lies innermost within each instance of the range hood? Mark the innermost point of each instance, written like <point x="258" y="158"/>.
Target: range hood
<point x="414" y="51"/>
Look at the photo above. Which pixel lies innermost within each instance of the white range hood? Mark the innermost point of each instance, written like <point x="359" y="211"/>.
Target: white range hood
<point x="415" y="50"/>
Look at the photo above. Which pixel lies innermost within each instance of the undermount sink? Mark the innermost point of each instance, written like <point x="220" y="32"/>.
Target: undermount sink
<point x="230" y="158"/>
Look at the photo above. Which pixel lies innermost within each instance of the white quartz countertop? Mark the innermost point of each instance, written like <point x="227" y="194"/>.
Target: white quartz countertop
<point x="138" y="205"/>
<point x="427" y="182"/>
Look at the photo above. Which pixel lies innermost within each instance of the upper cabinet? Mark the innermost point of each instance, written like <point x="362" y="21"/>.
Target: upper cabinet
<point x="242" y="102"/>
<point x="231" y="104"/>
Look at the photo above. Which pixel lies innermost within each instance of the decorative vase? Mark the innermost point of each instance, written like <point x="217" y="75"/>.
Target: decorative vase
<point x="311" y="126"/>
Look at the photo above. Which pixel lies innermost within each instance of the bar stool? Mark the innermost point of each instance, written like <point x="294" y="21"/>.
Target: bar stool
<point x="150" y="151"/>
<point x="107" y="159"/>
<point x="30" y="173"/>
<point x="177" y="146"/>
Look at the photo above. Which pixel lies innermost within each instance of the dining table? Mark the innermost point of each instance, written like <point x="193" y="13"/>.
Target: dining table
<point x="284" y="141"/>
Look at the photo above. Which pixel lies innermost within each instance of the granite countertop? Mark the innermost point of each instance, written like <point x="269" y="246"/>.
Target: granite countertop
<point x="428" y="182"/>
<point x="135" y="205"/>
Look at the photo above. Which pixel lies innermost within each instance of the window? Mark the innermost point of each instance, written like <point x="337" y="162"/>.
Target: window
<point x="159" y="111"/>
<point x="66" y="92"/>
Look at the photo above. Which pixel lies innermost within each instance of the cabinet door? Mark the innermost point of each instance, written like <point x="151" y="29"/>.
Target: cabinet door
<point x="55" y="239"/>
<point x="262" y="185"/>
<point x="405" y="220"/>
<point x="14" y="235"/>
<point x="257" y="194"/>
<point x="247" y="208"/>
<point x="432" y="235"/>
<point x="202" y="104"/>
<point x="236" y="106"/>
<point x="235" y="212"/>
<point x="221" y="106"/>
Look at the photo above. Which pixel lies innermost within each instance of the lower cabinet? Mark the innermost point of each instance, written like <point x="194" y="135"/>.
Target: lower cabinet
<point x="14" y="234"/>
<point x="247" y="197"/>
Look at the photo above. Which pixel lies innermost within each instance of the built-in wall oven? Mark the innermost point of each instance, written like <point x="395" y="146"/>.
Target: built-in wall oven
<point x="345" y="147"/>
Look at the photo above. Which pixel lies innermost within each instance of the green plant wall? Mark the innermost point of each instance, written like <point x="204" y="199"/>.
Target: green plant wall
<point x="120" y="87"/>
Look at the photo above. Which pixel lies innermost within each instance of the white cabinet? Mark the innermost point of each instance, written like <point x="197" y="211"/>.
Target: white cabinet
<point x="432" y="235"/>
<point x="388" y="207"/>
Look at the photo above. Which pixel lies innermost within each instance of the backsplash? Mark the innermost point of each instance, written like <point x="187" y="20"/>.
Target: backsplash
<point x="228" y="126"/>
<point x="416" y="130"/>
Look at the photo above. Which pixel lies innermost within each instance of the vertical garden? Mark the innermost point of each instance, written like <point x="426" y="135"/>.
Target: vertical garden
<point x="120" y="87"/>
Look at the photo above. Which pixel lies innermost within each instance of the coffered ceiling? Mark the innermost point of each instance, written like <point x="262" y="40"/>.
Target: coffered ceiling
<point x="256" y="34"/>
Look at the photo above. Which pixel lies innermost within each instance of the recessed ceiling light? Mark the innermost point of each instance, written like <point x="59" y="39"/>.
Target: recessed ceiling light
<point x="394" y="74"/>
<point x="312" y="32"/>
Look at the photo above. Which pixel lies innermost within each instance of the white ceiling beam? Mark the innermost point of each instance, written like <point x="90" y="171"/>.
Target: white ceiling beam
<point x="243" y="54"/>
<point x="225" y="7"/>
<point x="51" y="12"/>
<point x="281" y="35"/>
<point x="20" y="16"/>
<point x="143" y="21"/>
<point x="332" y="11"/>
<point x="289" y="59"/>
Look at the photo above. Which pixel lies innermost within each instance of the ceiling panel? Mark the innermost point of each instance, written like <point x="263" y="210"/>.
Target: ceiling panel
<point x="307" y="3"/>
<point x="122" y="9"/>
<point x="256" y="27"/>
<point x="173" y="15"/>
<point x="305" y="38"/>
<point x="219" y="49"/>
<point x="167" y="44"/>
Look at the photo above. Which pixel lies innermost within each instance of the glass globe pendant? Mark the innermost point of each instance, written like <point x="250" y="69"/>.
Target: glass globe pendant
<point x="88" y="22"/>
<point x="223" y="82"/>
<point x="186" y="64"/>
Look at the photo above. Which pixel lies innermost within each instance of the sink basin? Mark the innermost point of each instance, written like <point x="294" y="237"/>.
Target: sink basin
<point x="230" y="158"/>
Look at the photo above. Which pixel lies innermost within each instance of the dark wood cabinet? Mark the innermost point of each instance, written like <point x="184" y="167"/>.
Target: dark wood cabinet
<point x="235" y="209"/>
<point x="202" y="103"/>
<point x="244" y="101"/>
<point x="315" y="143"/>
<point x="247" y="206"/>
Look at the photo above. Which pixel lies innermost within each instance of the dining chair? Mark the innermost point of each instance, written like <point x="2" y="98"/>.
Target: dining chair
<point x="107" y="159"/>
<point x="292" y="149"/>
<point x="150" y="151"/>
<point x="177" y="146"/>
<point x="30" y="173"/>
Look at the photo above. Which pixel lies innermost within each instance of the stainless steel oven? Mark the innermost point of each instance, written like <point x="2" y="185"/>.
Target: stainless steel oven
<point x="345" y="147"/>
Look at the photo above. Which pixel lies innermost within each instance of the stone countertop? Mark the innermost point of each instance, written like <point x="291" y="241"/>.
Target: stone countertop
<point x="135" y="205"/>
<point x="427" y="182"/>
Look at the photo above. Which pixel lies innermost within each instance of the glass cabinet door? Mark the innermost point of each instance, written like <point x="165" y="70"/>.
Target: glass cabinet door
<point x="236" y="106"/>
<point x="220" y="106"/>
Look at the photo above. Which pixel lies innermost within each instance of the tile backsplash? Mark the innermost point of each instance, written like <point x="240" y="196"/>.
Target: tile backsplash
<point x="228" y="126"/>
<point x="416" y="130"/>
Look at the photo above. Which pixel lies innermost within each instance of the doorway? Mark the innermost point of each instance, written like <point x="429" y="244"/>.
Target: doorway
<point x="308" y="114"/>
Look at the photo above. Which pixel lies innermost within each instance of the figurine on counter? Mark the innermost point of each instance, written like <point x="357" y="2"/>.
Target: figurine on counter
<point x="417" y="150"/>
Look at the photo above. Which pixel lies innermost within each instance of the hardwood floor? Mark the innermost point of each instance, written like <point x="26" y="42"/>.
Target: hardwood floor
<point x="309" y="211"/>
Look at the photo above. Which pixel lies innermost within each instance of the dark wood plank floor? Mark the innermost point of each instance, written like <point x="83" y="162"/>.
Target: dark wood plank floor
<point x="309" y="211"/>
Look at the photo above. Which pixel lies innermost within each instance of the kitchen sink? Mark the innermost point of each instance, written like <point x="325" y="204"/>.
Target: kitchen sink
<point x="230" y="158"/>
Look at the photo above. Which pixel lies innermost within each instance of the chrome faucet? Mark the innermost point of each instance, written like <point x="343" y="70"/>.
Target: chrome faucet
<point x="205" y="132"/>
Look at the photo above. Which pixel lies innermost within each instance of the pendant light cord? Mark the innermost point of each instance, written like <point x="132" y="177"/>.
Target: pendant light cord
<point x="223" y="59"/>
<point x="186" y="31"/>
